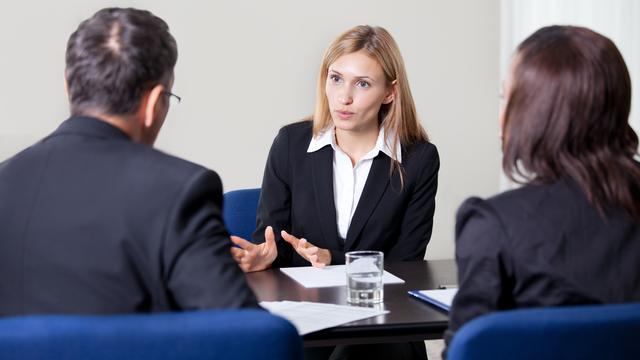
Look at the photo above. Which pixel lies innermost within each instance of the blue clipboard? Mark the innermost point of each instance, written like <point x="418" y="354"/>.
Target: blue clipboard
<point x="441" y="298"/>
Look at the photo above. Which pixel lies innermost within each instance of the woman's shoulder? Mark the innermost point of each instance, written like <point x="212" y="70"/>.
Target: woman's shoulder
<point x="422" y="150"/>
<point x="294" y="134"/>
<point x="504" y="202"/>
<point x="486" y="225"/>
<point x="527" y="207"/>
<point x="536" y="198"/>
<point x="420" y="160"/>
<point x="298" y="128"/>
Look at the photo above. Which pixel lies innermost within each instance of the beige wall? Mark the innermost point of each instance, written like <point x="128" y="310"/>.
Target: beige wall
<point x="248" y="67"/>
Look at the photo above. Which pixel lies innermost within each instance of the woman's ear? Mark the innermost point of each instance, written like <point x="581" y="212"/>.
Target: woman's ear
<point x="391" y="94"/>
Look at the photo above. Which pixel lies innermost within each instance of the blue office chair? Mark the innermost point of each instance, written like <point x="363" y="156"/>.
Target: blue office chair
<point x="201" y="335"/>
<point x="577" y="332"/>
<point x="239" y="212"/>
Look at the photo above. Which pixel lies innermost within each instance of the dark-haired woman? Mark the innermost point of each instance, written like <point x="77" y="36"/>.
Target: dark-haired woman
<point x="571" y="235"/>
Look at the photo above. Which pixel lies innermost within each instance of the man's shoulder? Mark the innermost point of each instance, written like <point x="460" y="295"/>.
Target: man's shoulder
<point x="163" y="168"/>
<point x="166" y="161"/>
<point x="24" y="159"/>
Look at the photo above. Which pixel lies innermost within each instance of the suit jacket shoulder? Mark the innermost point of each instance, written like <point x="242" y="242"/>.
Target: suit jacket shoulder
<point x="542" y="245"/>
<point x="127" y="219"/>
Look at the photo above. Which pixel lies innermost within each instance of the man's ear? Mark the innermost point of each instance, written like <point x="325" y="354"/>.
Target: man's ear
<point x="392" y="92"/>
<point x="66" y="85"/>
<point x="150" y="104"/>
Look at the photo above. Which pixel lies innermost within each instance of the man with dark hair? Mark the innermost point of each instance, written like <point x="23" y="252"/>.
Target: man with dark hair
<point x="94" y="220"/>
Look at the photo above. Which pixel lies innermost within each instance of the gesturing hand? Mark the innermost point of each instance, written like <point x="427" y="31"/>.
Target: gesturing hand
<point x="316" y="256"/>
<point x="252" y="257"/>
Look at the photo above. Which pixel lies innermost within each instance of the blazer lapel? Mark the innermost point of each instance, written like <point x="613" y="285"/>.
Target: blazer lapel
<point x="322" y="174"/>
<point x="376" y="184"/>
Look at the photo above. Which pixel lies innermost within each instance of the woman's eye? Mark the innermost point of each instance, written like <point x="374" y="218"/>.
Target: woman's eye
<point x="363" y="84"/>
<point x="335" y="78"/>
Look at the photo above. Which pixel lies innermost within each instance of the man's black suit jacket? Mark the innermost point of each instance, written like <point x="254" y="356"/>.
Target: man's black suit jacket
<point x="297" y="196"/>
<point x="92" y="222"/>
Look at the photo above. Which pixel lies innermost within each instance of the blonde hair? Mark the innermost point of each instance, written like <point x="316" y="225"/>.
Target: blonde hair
<point x="400" y="115"/>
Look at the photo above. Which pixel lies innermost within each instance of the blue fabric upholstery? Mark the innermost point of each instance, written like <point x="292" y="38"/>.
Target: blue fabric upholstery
<point x="578" y="332"/>
<point x="239" y="212"/>
<point x="221" y="334"/>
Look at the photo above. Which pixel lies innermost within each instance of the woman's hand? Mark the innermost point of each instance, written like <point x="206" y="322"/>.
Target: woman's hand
<point x="252" y="257"/>
<point x="316" y="256"/>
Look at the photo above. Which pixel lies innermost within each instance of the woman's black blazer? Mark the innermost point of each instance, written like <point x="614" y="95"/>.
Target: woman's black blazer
<point x="539" y="246"/>
<point x="297" y="196"/>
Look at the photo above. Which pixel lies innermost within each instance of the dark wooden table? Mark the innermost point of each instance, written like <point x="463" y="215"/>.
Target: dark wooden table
<point x="408" y="319"/>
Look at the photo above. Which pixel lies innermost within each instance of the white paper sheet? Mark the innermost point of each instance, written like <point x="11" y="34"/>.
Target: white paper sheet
<point x="308" y="317"/>
<point x="333" y="275"/>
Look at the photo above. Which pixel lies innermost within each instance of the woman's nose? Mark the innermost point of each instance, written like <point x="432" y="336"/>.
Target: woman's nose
<point x="345" y="97"/>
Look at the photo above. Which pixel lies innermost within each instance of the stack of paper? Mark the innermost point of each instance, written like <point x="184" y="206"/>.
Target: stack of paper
<point x="333" y="275"/>
<point x="308" y="317"/>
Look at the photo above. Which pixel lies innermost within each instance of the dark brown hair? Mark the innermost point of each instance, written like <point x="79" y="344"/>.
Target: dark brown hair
<point x="114" y="56"/>
<point x="567" y="117"/>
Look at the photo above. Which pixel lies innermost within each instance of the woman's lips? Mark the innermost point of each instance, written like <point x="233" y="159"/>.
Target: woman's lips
<point x="344" y="115"/>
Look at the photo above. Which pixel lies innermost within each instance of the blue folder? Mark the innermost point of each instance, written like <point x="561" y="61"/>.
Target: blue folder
<point x="442" y="298"/>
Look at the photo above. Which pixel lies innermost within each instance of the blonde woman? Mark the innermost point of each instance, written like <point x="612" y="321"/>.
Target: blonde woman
<point x="361" y="175"/>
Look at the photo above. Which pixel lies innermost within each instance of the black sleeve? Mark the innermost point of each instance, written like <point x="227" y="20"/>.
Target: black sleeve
<point x="200" y="272"/>
<point x="337" y="257"/>
<point x="417" y="221"/>
<point x="483" y="265"/>
<point x="274" y="206"/>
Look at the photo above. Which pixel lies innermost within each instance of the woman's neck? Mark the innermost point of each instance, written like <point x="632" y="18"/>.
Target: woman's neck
<point x="356" y="143"/>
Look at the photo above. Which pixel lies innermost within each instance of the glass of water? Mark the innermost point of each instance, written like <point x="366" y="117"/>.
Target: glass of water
<point x="364" y="277"/>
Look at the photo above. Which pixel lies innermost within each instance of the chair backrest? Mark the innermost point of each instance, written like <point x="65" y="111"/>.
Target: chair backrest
<point x="202" y="335"/>
<point x="576" y="332"/>
<point x="239" y="211"/>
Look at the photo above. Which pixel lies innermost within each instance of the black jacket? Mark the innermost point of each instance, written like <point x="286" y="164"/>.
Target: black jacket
<point x="297" y="196"/>
<point x="542" y="246"/>
<point x="95" y="223"/>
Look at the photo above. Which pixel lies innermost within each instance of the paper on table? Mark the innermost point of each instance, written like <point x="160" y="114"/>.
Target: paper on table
<point x="333" y="275"/>
<point x="308" y="317"/>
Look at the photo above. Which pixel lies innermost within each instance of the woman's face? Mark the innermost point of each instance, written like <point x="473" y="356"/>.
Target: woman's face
<point x="356" y="88"/>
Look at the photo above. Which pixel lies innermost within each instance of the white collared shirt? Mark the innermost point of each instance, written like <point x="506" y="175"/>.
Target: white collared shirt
<point x="348" y="180"/>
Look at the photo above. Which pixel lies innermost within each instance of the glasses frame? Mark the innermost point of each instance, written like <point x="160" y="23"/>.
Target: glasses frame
<point x="172" y="95"/>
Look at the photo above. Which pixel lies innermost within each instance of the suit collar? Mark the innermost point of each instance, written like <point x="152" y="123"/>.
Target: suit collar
<point x="374" y="188"/>
<point x="90" y="126"/>
<point x="322" y="175"/>
<point x="328" y="137"/>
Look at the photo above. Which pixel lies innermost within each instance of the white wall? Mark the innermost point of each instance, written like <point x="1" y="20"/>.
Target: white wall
<point x="245" y="68"/>
<point x="616" y="19"/>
